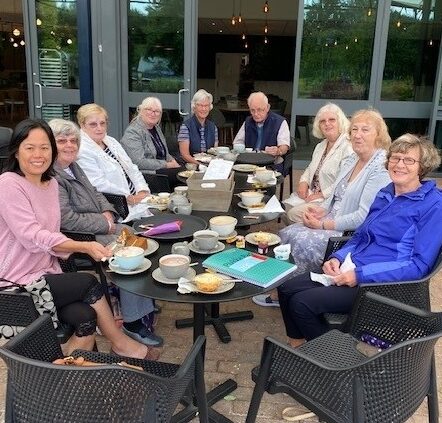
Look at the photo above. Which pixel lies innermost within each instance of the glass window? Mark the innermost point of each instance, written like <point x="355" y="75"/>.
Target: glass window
<point x="337" y="48"/>
<point x="57" y="43"/>
<point x="412" y="51"/>
<point x="156" y="45"/>
<point x="64" y="111"/>
<point x="398" y="127"/>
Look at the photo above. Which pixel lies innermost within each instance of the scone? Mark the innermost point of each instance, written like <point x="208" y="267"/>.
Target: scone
<point x="207" y="282"/>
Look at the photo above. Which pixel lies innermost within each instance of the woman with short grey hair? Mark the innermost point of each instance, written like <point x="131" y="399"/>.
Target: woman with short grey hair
<point x="198" y="133"/>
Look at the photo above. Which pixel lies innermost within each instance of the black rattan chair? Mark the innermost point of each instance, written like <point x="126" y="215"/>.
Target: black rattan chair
<point x="39" y="391"/>
<point x="339" y="383"/>
<point x="119" y="202"/>
<point x="157" y="182"/>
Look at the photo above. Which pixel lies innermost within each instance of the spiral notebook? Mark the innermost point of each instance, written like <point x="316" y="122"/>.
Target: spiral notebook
<point x="249" y="266"/>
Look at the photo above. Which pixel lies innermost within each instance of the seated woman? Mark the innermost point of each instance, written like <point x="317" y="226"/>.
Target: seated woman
<point x="361" y="176"/>
<point x="31" y="241"/>
<point x="105" y="162"/>
<point x="145" y="143"/>
<point x="317" y="181"/>
<point x="197" y="134"/>
<point x="84" y="209"/>
<point x="412" y="207"/>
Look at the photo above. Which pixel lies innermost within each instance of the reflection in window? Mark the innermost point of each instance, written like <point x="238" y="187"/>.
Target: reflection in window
<point x="398" y="126"/>
<point x="57" y="43"/>
<point x="65" y="111"/>
<point x="412" y="51"/>
<point x="337" y="46"/>
<point x="156" y="45"/>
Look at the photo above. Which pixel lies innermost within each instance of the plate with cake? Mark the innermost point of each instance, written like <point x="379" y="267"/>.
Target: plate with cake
<point x="127" y="239"/>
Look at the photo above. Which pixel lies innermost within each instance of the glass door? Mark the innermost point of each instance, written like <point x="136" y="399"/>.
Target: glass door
<point x="158" y="56"/>
<point x="52" y="58"/>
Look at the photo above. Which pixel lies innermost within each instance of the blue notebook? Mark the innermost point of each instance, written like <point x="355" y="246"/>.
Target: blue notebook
<point x="249" y="266"/>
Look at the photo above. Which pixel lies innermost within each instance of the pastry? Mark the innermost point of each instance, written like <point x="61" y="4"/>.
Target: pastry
<point x="128" y="239"/>
<point x="207" y="282"/>
<point x="262" y="237"/>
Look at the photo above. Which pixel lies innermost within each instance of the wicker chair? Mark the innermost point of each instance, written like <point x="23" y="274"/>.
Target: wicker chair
<point x="157" y="182"/>
<point x="119" y="202"/>
<point x="39" y="391"/>
<point x="339" y="383"/>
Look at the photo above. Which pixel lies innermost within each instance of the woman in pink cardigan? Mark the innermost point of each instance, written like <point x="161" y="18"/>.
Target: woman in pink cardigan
<point x="31" y="242"/>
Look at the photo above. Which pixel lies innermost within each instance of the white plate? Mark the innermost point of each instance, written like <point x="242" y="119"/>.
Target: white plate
<point x="231" y="235"/>
<point x="248" y="168"/>
<point x="217" y="249"/>
<point x="203" y="157"/>
<point x="261" y="206"/>
<point x="152" y="246"/>
<point x="144" y="266"/>
<point x="274" y="239"/>
<point x="186" y="173"/>
<point x="227" y="286"/>
<point x="158" y="276"/>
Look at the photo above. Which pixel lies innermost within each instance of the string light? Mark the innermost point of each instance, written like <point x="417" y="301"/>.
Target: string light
<point x="369" y="12"/>
<point x="233" y="13"/>
<point x="16" y="32"/>
<point x="243" y="36"/>
<point x="266" y="41"/>
<point x="38" y="22"/>
<point x="239" y="16"/>
<point x="266" y="7"/>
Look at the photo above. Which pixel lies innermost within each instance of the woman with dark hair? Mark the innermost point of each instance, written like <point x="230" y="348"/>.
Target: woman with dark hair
<point x="31" y="242"/>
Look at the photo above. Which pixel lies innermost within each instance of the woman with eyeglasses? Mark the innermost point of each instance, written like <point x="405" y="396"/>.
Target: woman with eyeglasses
<point x="145" y="143"/>
<point x="198" y="133"/>
<point x="399" y="240"/>
<point x="105" y="162"/>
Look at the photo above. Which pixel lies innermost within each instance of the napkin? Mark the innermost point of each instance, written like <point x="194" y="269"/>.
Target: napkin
<point x="165" y="228"/>
<point x="252" y="180"/>
<point x="294" y="200"/>
<point x="272" y="206"/>
<point x="137" y="212"/>
<point x="185" y="286"/>
<point x="327" y="280"/>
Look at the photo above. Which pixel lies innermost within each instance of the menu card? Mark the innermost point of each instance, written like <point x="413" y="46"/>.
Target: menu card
<point x="218" y="169"/>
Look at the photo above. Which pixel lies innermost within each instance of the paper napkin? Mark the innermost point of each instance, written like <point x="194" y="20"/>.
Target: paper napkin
<point x="272" y="206"/>
<point x="252" y="180"/>
<point x="327" y="280"/>
<point x="185" y="286"/>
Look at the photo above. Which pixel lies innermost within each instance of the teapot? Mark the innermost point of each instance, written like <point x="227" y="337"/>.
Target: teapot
<point x="177" y="199"/>
<point x="181" y="248"/>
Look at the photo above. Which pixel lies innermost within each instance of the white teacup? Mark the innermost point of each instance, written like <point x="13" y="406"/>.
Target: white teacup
<point x="128" y="258"/>
<point x="183" y="209"/>
<point x="181" y="189"/>
<point x="264" y="175"/>
<point x="223" y="225"/>
<point x="173" y="266"/>
<point x="205" y="240"/>
<point x="282" y="252"/>
<point x="251" y="198"/>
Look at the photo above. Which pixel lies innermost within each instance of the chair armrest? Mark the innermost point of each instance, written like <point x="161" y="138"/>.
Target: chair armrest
<point x="119" y="202"/>
<point x="157" y="182"/>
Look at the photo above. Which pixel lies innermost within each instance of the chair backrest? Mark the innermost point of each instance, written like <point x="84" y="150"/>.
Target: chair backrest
<point x="5" y="138"/>
<point x="119" y="202"/>
<point x="217" y="117"/>
<point x="157" y="183"/>
<point x="41" y="391"/>
<point x="17" y="308"/>
<point x="3" y="163"/>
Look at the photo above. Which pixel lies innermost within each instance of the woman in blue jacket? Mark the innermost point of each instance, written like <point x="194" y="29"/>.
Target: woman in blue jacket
<point x="399" y="240"/>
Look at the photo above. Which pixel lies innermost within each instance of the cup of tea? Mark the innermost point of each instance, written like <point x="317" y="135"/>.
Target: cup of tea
<point x="174" y="266"/>
<point x="205" y="240"/>
<point x="183" y="208"/>
<point x="128" y="258"/>
<point x="181" y="248"/>
<point x="223" y="225"/>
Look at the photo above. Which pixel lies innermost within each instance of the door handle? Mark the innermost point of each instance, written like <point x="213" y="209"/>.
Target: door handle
<point x="40" y="96"/>
<point x="180" y="109"/>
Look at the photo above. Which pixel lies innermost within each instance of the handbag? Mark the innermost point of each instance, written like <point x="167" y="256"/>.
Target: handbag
<point x="41" y="296"/>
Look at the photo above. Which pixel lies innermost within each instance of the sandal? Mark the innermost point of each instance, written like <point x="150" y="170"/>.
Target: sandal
<point x="153" y="354"/>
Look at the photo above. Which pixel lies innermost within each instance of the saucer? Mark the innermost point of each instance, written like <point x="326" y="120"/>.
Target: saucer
<point x="254" y="207"/>
<point x="273" y="238"/>
<point x="158" y="276"/>
<point x="152" y="246"/>
<point x="217" y="249"/>
<point x="144" y="266"/>
<point x="231" y="235"/>
<point x="224" y="287"/>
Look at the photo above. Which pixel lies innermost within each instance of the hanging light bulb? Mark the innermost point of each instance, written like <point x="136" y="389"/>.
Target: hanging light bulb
<point x="266" y="29"/>
<point x="398" y="24"/>
<point x="69" y="41"/>
<point x="266" y="8"/>
<point x="22" y="43"/>
<point x="430" y="42"/>
<point x="233" y="20"/>
<point x="239" y="15"/>
<point x="233" y="13"/>
<point x="15" y="45"/>
<point x="266" y="41"/>
<point x="16" y="32"/>
<point x="246" y="45"/>
<point x="369" y="12"/>
<point x="38" y="22"/>
<point x="243" y="36"/>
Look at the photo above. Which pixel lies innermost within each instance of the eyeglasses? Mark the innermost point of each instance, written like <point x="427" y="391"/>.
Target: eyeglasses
<point x="259" y="110"/>
<point x="408" y="161"/>
<point x="154" y="112"/>
<point x="94" y="125"/>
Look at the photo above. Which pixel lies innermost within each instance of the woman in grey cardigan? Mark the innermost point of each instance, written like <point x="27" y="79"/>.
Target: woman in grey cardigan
<point x="361" y="176"/>
<point x="83" y="208"/>
<point x="145" y="143"/>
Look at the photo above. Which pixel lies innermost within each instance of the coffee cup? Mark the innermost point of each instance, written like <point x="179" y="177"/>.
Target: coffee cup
<point x="183" y="208"/>
<point x="251" y="198"/>
<point x="282" y="252"/>
<point x="223" y="225"/>
<point x="205" y="240"/>
<point x="174" y="266"/>
<point x="128" y="258"/>
<point x="163" y="195"/>
<point x="181" y="248"/>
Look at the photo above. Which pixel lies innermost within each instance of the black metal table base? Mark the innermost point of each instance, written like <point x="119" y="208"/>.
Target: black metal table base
<point x="217" y="320"/>
<point x="215" y="395"/>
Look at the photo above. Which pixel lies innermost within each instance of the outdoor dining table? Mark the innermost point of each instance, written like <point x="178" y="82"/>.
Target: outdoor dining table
<point x="256" y="158"/>
<point x="144" y="285"/>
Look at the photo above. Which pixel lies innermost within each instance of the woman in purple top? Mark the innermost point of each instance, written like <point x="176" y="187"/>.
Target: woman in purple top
<point x="31" y="242"/>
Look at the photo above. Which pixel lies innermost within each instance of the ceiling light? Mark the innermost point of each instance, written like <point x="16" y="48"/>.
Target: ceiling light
<point x="16" y="32"/>
<point x="15" y="45"/>
<point x="22" y="43"/>
<point x="38" y="21"/>
<point x="266" y="8"/>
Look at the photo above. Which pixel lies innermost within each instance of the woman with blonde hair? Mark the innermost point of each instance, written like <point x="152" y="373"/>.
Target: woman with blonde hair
<point x="198" y="133"/>
<point x="316" y="182"/>
<point x="361" y="176"/>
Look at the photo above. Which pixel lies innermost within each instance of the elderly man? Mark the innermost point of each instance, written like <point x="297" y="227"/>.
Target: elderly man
<point x="264" y="130"/>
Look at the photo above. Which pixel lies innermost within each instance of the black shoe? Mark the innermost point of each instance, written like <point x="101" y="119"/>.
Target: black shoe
<point x="144" y="336"/>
